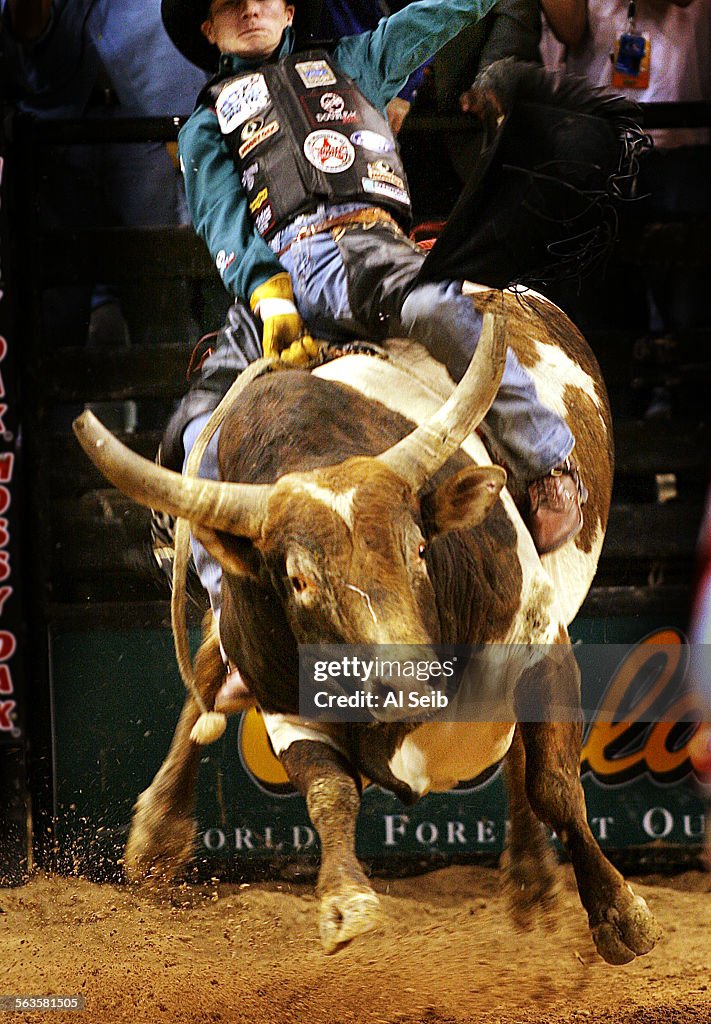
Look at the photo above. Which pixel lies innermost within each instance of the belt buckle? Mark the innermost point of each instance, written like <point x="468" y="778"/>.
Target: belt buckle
<point x="307" y="231"/>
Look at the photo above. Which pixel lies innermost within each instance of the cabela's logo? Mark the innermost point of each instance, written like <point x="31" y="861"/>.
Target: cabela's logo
<point x="254" y="133"/>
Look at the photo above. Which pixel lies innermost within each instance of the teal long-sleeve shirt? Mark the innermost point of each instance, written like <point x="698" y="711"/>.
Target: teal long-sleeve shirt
<point x="379" y="61"/>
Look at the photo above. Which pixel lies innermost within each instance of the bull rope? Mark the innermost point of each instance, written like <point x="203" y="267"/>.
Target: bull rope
<point x="211" y="724"/>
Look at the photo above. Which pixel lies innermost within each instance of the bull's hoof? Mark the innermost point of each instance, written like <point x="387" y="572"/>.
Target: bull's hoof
<point x="628" y="929"/>
<point x="159" y="845"/>
<point x="346" y="914"/>
<point x="531" y="887"/>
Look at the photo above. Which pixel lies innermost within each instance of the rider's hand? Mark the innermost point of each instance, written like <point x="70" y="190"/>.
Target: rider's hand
<point x="300" y="352"/>
<point x="397" y="110"/>
<point x="484" y="104"/>
<point x="283" y="329"/>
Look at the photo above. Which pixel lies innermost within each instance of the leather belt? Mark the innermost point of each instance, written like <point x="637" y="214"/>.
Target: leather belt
<point x="371" y="215"/>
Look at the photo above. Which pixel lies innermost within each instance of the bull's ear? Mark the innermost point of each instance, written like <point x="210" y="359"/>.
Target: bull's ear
<point x="463" y="500"/>
<point x="236" y="555"/>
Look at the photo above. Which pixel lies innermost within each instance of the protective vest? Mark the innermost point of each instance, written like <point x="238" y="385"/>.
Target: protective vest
<point x="301" y="134"/>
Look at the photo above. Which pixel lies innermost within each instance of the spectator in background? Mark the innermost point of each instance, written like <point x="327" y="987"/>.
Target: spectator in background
<point x="564" y="25"/>
<point x="676" y="67"/>
<point x="676" y="174"/>
<point x="104" y="59"/>
<point x="566" y="19"/>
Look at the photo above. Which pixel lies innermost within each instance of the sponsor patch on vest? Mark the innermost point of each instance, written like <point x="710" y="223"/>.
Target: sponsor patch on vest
<point x="264" y="220"/>
<point x="223" y="261"/>
<point x="254" y="133"/>
<point x="381" y="170"/>
<point x="329" y="151"/>
<point x="241" y="100"/>
<point x="315" y="73"/>
<point x="382" y="188"/>
<point x="373" y="141"/>
<point x="331" y="107"/>
<point x="259" y="200"/>
<point x="249" y="176"/>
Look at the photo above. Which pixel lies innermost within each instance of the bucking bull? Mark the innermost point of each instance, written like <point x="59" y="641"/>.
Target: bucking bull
<point x="355" y="507"/>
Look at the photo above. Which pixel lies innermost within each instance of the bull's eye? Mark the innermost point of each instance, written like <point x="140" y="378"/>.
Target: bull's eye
<point x="298" y="583"/>
<point x="422" y="550"/>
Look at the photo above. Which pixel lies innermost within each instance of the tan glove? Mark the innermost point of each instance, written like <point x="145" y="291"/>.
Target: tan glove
<point x="301" y="352"/>
<point x="283" y="335"/>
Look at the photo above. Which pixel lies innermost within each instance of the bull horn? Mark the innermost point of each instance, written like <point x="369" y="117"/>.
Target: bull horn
<point x="233" y="507"/>
<point x="418" y="455"/>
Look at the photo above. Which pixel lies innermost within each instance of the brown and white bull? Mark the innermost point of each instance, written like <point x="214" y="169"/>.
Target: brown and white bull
<point x="356" y="508"/>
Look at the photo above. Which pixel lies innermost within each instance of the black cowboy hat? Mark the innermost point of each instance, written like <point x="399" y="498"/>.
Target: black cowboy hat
<point x="540" y="203"/>
<point x="183" y="18"/>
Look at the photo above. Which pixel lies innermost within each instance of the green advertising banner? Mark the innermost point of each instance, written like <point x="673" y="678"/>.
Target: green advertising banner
<point x="117" y="697"/>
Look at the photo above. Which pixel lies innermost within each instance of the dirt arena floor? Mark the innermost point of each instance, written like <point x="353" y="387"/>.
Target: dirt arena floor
<point x="446" y="953"/>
